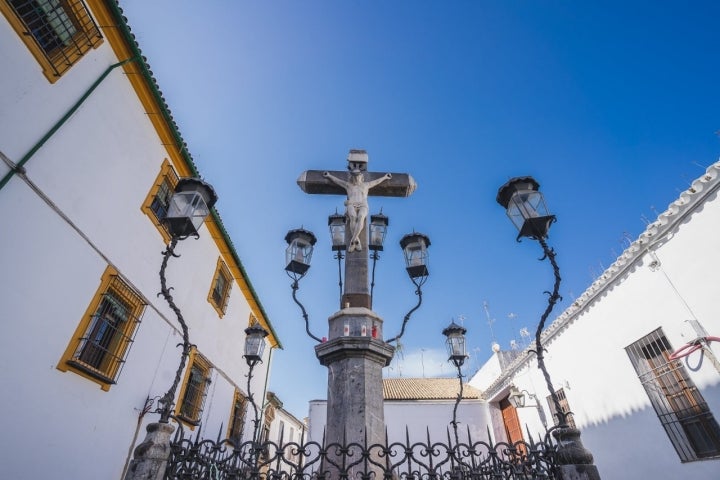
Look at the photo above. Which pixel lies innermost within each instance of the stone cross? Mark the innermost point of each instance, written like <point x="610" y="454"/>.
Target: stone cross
<point x="355" y="352"/>
<point x="357" y="184"/>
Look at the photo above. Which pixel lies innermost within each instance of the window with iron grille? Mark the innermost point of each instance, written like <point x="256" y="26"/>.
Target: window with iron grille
<point x="681" y="408"/>
<point x="103" y="338"/>
<point x="157" y="202"/>
<point x="564" y="406"/>
<point x="220" y="288"/>
<point x="194" y="391"/>
<point x="237" y="417"/>
<point x="57" y="32"/>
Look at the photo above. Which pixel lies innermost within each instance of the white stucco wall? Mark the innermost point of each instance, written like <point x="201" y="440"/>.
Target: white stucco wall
<point x="587" y="357"/>
<point x="419" y="417"/>
<point x="96" y="171"/>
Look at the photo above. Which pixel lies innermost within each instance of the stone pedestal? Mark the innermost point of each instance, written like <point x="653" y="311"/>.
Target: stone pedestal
<point x="151" y="456"/>
<point x="575" y="462"/>
<point x="355" y="361"/>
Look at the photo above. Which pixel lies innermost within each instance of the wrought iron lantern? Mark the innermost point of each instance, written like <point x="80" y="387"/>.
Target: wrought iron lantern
<point x="299" y="251"/>
<point x="336" y="222"/>
<point x="414" y="247"/>
<point x="189" y="205"/>
<point x="516" y="397"/>
<point x="378" y="230"/>
<point x="455" y="343"/>
<point x="526" y="207"/>
<point x="254" y="343"/>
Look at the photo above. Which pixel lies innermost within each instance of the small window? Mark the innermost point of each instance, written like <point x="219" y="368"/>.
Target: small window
<point x="57" y="32"/>
<point x="237" y="417"/>
<point x="220" y="289"/>
<point x="194" y="390"/>
<point x="157" y="202"/>
<point x="102" y="340"/>
<point x="564" y="406"/>
<point x="680" y="406"/>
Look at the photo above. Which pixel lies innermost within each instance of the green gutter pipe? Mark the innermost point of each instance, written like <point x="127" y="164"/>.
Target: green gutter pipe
<point x="150" y="80"/>
<point x="18" y="168"/>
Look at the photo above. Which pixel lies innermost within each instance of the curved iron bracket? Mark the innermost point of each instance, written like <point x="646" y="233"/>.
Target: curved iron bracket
<point x="295" y="288"/>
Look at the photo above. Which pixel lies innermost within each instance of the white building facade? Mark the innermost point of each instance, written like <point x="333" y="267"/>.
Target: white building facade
<point x="416" y="406"/>
<point x="90" y="154"/>
<point x="642" y="413"/>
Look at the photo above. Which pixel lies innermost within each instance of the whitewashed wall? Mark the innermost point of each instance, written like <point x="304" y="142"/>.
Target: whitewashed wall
<point x="96" y="170"/>
<point x="419" y="417"/>
<point x="586" y="344"/>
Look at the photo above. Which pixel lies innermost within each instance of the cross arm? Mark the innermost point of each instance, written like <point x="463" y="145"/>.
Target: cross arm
<point x="400" y="185"/>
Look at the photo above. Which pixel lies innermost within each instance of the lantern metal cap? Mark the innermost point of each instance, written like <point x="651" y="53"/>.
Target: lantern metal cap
<point x="198" y="185"/>
<point x="301" y="232"/>
<point x="410" y="237"/>
<point x="511" y="186"/>
<point x="454" y="328"/>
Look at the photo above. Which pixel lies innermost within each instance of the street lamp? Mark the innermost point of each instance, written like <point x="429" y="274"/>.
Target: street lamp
<point x="254" y="347"/>
<point x="414" y="247"/>
<point x="526" y="208"/>
<point x="455" y="343"/>
<point x="189" y="206"/>
<point x="518" y="399"/>
<point x="297" y="256"/>
<point x="378" y="230"/>
<point x="415" y="250"/>
<point x="299" y="252"/>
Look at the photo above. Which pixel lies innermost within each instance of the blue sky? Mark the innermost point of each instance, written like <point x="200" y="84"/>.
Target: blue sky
<point x="611" y="106"/>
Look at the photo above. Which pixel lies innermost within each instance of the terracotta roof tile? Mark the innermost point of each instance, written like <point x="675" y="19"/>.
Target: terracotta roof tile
<point x="426" y="389"/>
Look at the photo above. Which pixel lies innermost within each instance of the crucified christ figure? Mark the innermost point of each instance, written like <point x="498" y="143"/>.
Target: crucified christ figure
<point x="356" y="206"/>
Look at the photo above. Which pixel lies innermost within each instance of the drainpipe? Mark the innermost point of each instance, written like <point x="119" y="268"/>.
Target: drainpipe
<point x="19" y="167"/>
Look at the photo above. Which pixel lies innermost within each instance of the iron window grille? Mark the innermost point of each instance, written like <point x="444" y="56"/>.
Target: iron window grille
<point x="58" y="32"/>
<point x="104" y="345"/>
<point x="219" y="294"/>
<point x="157" y="202"/>
<point x="678" y="403"/>
<point x="564" y="406"/>
<point x="195" y="390"/>
<point x="237" y="417"/>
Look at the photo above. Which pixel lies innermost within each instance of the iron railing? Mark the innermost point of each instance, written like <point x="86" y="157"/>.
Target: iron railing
<point x="196" y="458"/>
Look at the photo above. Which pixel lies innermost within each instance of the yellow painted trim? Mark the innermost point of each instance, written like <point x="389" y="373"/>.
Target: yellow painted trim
<point x="137" y="306"/>
<point x="220" y="269"/>
<point x="103" y="14"/>
<point x="236" y="396"/>
<point x="53" y="68"/>
<point x="224" y="248"/>
<point x="166" y="172"/>
<point x="194" y="358"/>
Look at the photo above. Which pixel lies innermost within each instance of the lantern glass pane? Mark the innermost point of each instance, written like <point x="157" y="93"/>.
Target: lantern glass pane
<point x="254" y="345"/>
<point x="298" y="255"/>
<point x="527" y="204"/>
<point x="186" y="213"/>
<point x="456" y="345"/>
<point x="337" y="233"/>
<point x="416" y="254"/>
<point x="377" y="234"/>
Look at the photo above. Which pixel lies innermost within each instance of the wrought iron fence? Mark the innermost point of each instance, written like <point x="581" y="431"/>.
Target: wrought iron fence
<point x="196" y="458"/>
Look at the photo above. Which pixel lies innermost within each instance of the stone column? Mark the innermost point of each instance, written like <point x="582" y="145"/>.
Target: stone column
<point x="151" y="456"/>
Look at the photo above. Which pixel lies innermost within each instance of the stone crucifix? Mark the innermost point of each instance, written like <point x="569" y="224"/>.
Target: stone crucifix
<point x="357" y="184"/>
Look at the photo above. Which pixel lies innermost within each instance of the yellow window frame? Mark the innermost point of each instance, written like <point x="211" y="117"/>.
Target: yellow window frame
<point x="236" y="423"/>
<point x="57" y="61"/>
<point x="190" y="415"/>
<point x="219" y="297"/>
<point x="115" y="343"/>
<point x="166" y="179"/>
